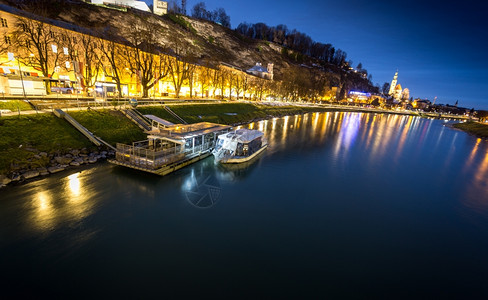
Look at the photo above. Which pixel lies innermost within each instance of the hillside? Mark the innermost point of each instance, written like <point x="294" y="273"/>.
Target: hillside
<point x="207" y="40"/>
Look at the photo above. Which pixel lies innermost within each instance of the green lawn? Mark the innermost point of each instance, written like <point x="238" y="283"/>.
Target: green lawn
<point x="475" y="128"/>
<point x="43" y="132"/>
<point x="15" y="105"/>
<point x="112" y="126"/>
<point x="224" y="113"/>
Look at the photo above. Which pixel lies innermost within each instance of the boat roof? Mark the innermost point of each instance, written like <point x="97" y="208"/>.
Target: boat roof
<point x="185" y="131"/>
<point x="159" y="120"/>
<point x="242" y="135"/>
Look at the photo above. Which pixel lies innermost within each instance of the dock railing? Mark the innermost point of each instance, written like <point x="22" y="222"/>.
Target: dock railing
<point x="147" y="158"/>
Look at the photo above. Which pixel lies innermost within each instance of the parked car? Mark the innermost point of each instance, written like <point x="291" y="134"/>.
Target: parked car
<point x="62" y="90"/>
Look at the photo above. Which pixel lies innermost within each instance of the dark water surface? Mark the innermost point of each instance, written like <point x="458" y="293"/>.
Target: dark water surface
<point x="342" y="204"/>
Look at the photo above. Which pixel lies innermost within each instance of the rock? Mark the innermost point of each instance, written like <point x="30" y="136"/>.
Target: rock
<point x="83" y="155"/>
<point x="75" y="152"/>
<point x="53" y="170"/>
<point x="30" y="174"/>
<point x="31" y="149"/>
<point x="2" y="185"/>
<point x="37" y="156"/>
<point x="74" y="163"/>
<point x="92" y="160"/>
<point x="16" y="178"/>
<point x="68" y="155"/>
<point x="63" y="160"/>
<point x="5" y="180"/>
<point x="42" y="171"/>
<point x="43" y="154"/>
<point x="104" y="153"/>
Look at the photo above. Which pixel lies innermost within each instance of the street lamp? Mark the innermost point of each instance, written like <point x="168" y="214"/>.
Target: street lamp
<point x="11" y="57"/>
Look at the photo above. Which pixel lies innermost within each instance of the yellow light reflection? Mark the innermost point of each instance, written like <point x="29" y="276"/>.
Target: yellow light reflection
<point x="472" y="154"/>
<point x="74" y="184"/>
<point x="285" y="128"/>
<point x="44" y="213"/>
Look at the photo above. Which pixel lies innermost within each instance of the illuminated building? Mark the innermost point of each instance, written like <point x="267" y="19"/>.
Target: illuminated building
<point x="396" y="90"/>
<point x="140" y="5"/>
<point x="260" y="71"/>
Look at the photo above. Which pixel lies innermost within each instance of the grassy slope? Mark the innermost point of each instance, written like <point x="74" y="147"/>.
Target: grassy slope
<point x="14" y="105"/>
<point x="219" y="113"/>
<point x="43" y="132"/>
<point x="478" y="129"/>
<point x="112" y="126"/>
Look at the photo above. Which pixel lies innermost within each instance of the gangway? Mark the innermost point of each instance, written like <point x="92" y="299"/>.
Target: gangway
<point x="160" y="121"/>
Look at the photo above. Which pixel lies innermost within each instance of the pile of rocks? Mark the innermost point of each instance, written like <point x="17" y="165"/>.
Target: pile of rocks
<point x="57" y="163"/>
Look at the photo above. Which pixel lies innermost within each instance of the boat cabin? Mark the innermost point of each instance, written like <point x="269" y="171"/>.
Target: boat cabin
<point x="170" y="144"/>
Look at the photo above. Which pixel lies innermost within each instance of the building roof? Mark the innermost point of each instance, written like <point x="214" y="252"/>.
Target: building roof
<point x="184" y="131"/>
<point x="258" y="68"/>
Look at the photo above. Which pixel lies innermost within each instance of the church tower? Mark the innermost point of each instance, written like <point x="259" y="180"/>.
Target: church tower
<point x="393" y="84"/>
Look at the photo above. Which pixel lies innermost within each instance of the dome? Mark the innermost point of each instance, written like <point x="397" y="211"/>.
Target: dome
<point x="398" y="87"/>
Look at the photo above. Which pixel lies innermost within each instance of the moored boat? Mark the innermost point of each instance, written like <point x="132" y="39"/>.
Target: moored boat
<point x="239" y="146"/>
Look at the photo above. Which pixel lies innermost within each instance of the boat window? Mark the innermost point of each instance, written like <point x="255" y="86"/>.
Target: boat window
<point x="245" y="150"/>
<point x="239" y="149"/>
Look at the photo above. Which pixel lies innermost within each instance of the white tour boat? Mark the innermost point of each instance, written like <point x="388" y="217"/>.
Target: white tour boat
<point x="239" y="146"/>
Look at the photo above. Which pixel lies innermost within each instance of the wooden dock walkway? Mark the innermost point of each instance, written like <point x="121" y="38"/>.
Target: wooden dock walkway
<point x="165" y="170"/>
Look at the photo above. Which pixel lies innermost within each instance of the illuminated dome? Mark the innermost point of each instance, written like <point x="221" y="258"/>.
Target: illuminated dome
<point x="398" y="87"/>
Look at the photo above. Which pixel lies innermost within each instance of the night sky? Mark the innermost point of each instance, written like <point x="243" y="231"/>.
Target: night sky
<point x="439" y="47"/>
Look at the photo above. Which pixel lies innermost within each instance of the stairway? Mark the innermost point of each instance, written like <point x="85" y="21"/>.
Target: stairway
<point x="175" y="115"/>
<point x="139" y="119"/>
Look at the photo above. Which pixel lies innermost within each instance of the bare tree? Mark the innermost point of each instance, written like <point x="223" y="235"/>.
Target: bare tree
<point x="145" y="59"/>
<point x="182" y="64"/>
<point x="39" y="42"/>
<point x="112" y="55"/>
<point x="205" y="76"/>
<point x="82" y="52"/>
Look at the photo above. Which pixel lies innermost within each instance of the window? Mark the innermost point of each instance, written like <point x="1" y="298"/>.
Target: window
<point x="68" y="65"/>
<point x="65" y="50"/>
<point x="4" y="22"/>
<point x="7" y="40"/>
<point x="55" y="48"/>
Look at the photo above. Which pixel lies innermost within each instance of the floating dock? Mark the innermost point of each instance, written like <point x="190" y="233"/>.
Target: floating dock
<point x="170" y="147"/>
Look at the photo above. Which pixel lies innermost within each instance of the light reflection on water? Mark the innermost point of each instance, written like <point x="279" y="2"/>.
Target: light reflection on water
<point x="67" y="201"/>
<point x="381" y="138"/>
<point x="333" y="191"/>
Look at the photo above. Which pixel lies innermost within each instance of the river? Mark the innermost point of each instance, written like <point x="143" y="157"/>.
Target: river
<point x="341" y="204"/>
